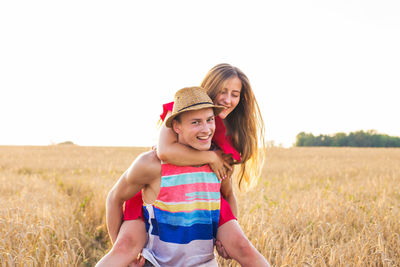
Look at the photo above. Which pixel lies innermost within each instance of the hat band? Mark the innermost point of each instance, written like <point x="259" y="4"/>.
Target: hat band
<point x="196" y="104"/>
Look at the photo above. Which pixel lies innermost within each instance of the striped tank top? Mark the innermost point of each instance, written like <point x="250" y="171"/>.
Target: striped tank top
<point x="182" y="222"/>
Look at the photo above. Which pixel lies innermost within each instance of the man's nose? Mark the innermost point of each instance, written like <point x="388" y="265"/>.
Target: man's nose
<point x="207" y="128"/>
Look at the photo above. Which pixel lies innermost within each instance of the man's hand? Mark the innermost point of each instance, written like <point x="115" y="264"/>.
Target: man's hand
<point x="221" y="250"/>
<point x="138" y="262"/>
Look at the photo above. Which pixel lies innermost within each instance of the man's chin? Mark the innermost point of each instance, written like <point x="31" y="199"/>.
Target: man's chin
<point x="202" y="147"/>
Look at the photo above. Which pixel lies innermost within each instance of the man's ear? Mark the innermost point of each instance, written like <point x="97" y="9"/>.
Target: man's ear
<point x="176" y="126"/>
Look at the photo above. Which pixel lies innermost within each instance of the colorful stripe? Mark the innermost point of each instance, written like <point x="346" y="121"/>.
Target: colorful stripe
<point x="183" y="192"/>
<point x="203" y="195"/>
<point x="189" y="178"/>
<point x="186" y="212"/>
<point x="169" y="169"/>
<point x="188" y="206"/>
<point x="186" y="218"/>
<point x="183" y="234"/>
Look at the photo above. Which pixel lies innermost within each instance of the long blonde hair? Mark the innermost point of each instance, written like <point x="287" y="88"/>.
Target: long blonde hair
<point x="244" y="123"/>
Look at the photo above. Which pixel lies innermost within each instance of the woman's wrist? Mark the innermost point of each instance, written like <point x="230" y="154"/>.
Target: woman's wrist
<point x="211" y="157"/>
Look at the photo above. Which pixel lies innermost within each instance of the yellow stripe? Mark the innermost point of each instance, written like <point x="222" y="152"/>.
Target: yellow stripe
<point x="188" y="207"/>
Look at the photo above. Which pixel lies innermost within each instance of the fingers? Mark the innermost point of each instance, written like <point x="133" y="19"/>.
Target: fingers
<point x="229" y="174"/>
<point x="141" y="261"/>
<point x="227" y="166"/>
<point x="220" y="171"/>
<point x="218" y="246"/>
<point x="223" y="173"/>
<point x="218" y="175"/>
<point x="138" y="262"/>
<point x="220" y="166"/>
<point x="221" y="251"/>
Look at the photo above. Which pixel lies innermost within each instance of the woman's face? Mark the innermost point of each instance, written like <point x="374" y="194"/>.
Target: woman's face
<point x="229" y="96"/>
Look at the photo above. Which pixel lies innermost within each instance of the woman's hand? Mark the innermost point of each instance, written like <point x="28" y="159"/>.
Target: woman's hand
<point x="219" y="165"/>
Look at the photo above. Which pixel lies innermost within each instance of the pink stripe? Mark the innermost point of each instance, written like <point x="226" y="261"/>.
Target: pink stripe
<point x="168" y="169"/>
<point x="177" y="193"/>
<point x="187" y="211"/>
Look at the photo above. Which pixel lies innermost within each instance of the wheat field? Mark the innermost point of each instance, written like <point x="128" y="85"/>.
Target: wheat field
<point x="311" y="207"/>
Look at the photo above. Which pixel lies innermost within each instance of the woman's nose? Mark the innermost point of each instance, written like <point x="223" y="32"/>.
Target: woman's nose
<point x="227" y="99"/>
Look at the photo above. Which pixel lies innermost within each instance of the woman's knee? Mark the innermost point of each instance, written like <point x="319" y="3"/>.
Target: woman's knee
<point x="124" y="245"/>
<point x="245" y="245"/>
<point x="242" y="244"/>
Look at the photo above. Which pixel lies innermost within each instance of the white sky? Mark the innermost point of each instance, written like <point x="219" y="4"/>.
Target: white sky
<point x="97" y="72"/>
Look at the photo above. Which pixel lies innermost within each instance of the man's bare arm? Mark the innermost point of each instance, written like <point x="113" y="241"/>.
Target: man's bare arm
<point x="142" y="172"/>
<point x="228" y="194"/>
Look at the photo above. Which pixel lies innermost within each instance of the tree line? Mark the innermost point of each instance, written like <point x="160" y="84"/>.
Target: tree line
<point x="369" y="138"/>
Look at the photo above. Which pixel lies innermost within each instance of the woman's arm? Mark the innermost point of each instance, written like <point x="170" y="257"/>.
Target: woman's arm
<point x="169" y="150"/>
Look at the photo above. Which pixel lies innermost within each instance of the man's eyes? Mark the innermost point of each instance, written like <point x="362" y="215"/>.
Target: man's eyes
<point x="198" y="122"/>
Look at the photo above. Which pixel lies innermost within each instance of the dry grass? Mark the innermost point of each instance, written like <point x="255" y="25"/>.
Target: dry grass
<point x="312" y="207"/>
<point x="52" y="203"/>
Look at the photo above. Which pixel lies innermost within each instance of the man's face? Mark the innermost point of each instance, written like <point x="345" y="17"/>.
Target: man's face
<point x="196" y="128"/>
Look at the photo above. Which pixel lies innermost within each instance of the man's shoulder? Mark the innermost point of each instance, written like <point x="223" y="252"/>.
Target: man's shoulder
<point x="144" y="169"/>
<point x="148" y="157"/>
<point x="148" y="162"/>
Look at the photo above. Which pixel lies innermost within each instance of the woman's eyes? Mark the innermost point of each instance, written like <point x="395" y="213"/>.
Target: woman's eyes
<point x="233" y="95"/>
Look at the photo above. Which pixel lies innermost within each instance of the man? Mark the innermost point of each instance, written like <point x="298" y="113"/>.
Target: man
<point x="182" y="218"/>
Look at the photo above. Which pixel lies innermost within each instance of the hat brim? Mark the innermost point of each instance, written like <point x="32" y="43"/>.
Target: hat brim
<point x="217" y="110"/>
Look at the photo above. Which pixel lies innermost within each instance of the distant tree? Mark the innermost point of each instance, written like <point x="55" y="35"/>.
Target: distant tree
<point x="304" y="139"/>
<point x="66" y="143"/>
<point x="300" y="138"/>
<point x="360" y="138"/>
<point x="339" y="139"/>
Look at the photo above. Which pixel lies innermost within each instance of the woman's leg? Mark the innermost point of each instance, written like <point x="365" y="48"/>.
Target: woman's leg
<point x="130" y="242"/>
<point x="238" y="246"/>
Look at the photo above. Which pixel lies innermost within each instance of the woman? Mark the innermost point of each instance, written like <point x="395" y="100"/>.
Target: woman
<point x="239" y="133"/>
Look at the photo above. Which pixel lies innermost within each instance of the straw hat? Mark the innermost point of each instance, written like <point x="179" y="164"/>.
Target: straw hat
<point x="191" y="98"/>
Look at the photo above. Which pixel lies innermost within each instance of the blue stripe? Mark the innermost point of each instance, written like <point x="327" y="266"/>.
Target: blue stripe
<point x="182" y="234"/>
<point x="189" y="178"/>
<point x="146" y="218"/>
<point x="203" y="195"/>
<point x="186" y="218"/>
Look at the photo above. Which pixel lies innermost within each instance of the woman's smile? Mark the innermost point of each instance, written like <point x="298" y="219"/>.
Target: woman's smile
<point x="229" y="96"/>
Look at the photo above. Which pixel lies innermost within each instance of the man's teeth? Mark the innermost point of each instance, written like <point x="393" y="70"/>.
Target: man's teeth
<point x="203" y="137"/>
